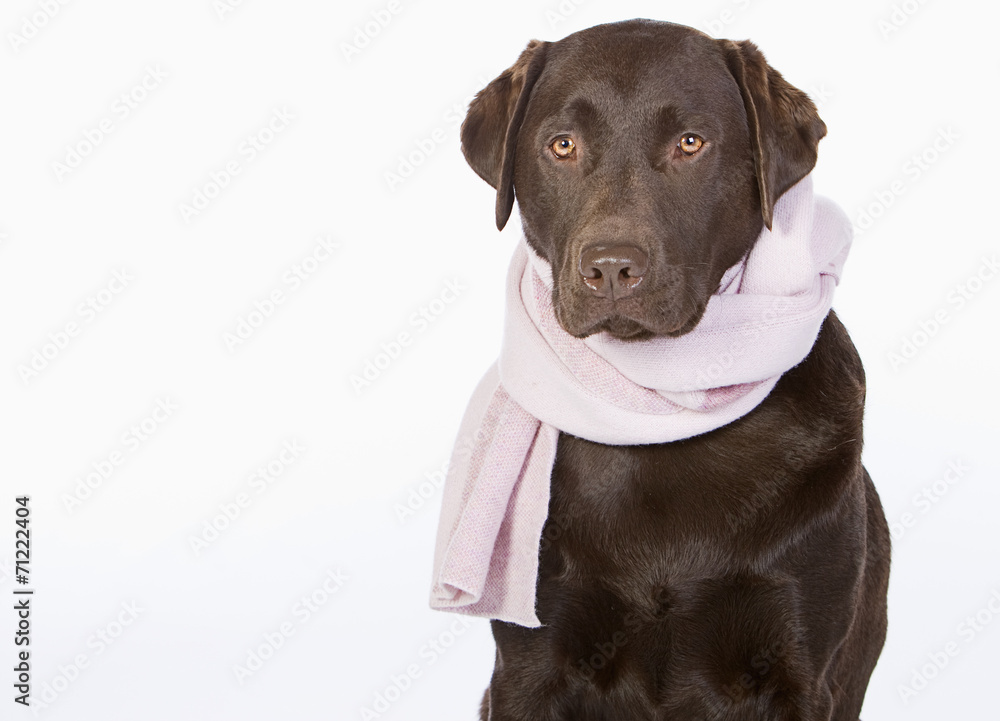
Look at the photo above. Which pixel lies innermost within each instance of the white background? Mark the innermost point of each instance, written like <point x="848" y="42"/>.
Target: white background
<point x="886" y="97"/>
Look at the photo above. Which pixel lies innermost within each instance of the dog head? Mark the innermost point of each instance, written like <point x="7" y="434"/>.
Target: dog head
<point x="645" y="158"/>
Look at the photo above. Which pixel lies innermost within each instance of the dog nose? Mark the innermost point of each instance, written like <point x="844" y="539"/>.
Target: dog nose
<point x="613" y="272"/>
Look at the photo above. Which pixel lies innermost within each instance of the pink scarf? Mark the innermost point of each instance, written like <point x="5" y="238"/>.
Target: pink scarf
<point x="763" y="321"/>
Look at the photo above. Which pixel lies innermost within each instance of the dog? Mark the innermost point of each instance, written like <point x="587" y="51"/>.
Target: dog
<point x="738" y="574"/>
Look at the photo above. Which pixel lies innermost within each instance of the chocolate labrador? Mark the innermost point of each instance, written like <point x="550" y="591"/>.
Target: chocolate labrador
<point x="740" y="574"/>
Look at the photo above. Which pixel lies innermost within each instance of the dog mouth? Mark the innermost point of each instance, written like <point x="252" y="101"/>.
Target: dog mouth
<point x="620" y="323"/>
<point x="621" y="328"/>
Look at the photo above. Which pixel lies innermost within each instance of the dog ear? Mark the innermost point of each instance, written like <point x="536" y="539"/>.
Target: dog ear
<point x="785" y="128"/>
<point x="489" y="132"/>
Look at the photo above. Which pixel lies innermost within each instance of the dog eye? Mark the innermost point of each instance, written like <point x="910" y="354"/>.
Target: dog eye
<point x="690" y="144"/>
<point x="563" y="147"/>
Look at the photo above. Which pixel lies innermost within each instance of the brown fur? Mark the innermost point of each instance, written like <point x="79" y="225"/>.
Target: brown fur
<point x="736" y="575"/>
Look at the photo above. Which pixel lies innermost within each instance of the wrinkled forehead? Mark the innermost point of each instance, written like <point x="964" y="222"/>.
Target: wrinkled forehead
<point x="635" y="71"/>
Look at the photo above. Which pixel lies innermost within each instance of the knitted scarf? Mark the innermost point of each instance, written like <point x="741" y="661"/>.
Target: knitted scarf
<point x="762" y="321"/>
